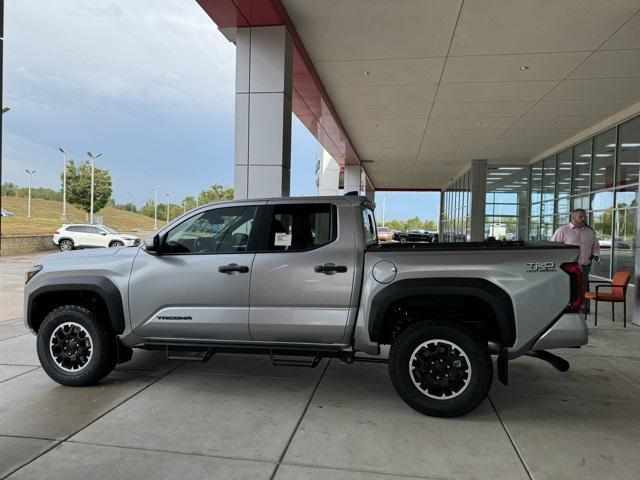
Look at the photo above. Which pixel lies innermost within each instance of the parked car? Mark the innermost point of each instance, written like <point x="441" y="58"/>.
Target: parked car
<point x="70" y="237"/>
<point x="307" y="277"/>
<point x="6" y="213"/>
<point x="413" y="236"/>
<point x="384" y="234"/>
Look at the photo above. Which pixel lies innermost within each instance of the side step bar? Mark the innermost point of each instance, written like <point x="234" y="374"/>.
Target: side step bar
<point x="197" y="356"/>
<point x="281" y="361"/>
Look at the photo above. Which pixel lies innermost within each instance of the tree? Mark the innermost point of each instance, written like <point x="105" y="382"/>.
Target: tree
<point x="414" y="223"/>
<point x="216" y="193"/>
<point x="129" y="207"/>
<point x="79" y="186"/>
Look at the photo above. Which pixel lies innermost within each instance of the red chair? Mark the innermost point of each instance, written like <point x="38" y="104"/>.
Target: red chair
<point x="618" y="293"/>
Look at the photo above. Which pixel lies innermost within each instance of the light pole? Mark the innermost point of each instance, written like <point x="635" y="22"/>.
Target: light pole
<point x="168" y="205"/>
<point x="29" y="173"/>
<point x="155" y="208"/>
<point x="93" y="158"/>
<point x="64" y="183"/>
<point x="384" y="208"/>
<point x="184" y="207"/>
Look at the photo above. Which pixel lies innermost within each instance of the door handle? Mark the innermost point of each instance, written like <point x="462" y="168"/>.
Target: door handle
<point x="330" y="268"/>
<point x="233" y="267"/>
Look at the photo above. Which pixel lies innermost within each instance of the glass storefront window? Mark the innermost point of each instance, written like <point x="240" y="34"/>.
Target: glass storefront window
<point x="629" y="152"/>
<point x="602" y="223"/>
<point x="563" y="177"/>
<point x="604" y="151"/>
<point x="562" y="205"/>
<point x="536" y="182"/>
<point x="549" y="179"/>
<point x="560" y="220"/>
<point x="625" y="234"/>
<point x="626" y="197"/>
<point x="581" y="167"/>
<point x="546" y="227"/>
<point x="602" y="200"/>
<point x="534" y="229"/>
<point x="581" y="202"/>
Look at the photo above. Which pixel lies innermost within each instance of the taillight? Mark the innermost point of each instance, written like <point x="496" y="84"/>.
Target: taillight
<point x="576" y="283"/>
<point x="56" y="232"/>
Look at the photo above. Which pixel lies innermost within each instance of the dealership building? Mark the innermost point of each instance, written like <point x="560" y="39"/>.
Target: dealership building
<point x="515" y="111"/>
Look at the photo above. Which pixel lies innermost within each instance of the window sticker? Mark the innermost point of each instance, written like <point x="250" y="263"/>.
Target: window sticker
<point x="282" y="239"/>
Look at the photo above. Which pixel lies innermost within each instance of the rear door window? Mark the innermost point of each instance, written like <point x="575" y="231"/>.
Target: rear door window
<point x="299" y="227"/>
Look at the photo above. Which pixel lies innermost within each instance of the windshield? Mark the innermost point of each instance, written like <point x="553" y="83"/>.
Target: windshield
<point x="109" y="230"/>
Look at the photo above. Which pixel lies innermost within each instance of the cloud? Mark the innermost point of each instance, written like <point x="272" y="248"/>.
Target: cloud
<point x="165" y="54"/>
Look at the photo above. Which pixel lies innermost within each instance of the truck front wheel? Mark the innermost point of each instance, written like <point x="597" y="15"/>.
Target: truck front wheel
<point x="439" y="369"/>
<point x="74" y="347"/>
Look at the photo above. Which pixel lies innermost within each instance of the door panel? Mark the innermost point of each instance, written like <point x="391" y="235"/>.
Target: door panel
<point x="94" y="238"/>
<point x="185" y="296"/>
<point x="290" y="300"/>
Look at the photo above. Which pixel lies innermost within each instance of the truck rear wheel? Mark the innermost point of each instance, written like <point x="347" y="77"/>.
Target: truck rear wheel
<point x="439" y="369"/>
<point x="74" y="347"/>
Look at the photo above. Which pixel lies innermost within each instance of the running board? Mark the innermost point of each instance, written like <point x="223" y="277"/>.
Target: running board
<point x="197" y="356"/>
<point x="555" y="361"/>
<point x="312" y="362"/>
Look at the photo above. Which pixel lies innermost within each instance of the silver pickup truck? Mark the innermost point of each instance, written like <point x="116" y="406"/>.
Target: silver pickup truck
<point x="301" y="279"/>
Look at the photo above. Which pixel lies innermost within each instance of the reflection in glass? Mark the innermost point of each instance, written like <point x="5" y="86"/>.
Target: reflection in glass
<point x="549" y="179"/>
<point x="602" y="222"/>
<point x="563" y="177"/>
<point x="624" y="254"/>
<point x="604" y="150"/>
<point x="536" y="182"/>
<point x="626" y="197"/>
<point x="546" y="227"/>
<point x="629" y="152"/>
<point x="581" y="167"/>
<point x="602" y="200"/>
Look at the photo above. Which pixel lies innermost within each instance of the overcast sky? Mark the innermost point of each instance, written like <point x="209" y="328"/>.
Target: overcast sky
<point x="147" y="83"/>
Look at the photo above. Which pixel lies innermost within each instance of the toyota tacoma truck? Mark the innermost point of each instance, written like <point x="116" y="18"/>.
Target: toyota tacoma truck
<point x="301" y="279"/>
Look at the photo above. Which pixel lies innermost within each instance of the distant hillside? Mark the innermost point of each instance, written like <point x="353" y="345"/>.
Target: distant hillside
<point x="45" y="217"/>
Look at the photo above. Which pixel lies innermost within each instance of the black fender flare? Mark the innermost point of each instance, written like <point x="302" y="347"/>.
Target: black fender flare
<point x="487" y="291"/>
<point x="101" y="286"/>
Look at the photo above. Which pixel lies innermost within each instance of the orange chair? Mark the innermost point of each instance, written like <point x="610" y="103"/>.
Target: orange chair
<point x="618" y="286"/>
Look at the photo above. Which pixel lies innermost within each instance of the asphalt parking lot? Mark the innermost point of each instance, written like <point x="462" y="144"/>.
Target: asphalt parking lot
<point x="238" y="417"/>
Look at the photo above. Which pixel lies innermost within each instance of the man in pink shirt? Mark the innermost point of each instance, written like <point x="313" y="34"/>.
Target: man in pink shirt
<point x="577" y="232"/>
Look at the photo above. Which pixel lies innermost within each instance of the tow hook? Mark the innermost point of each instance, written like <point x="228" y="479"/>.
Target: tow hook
<point x="555" y="361"/>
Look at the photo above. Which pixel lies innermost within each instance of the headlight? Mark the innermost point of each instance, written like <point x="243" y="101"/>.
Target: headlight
<point x="31" y="273"/>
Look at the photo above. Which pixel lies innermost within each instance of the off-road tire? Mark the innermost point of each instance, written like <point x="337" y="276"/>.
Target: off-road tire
<point x="103" y="355"/>
<point x="410" y="363"/>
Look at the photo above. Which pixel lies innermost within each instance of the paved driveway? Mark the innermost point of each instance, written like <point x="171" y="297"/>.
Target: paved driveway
<point x="237" y="417"/>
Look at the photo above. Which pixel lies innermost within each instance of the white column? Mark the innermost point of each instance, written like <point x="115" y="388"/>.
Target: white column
<point x="263" y="112"/>
<point x="327" y="174"/>
<point x="353" y="179"/>
<point x="478" y="199"/>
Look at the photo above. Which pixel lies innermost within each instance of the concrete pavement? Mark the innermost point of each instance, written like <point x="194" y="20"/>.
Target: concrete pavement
<point x="238" y="417"/>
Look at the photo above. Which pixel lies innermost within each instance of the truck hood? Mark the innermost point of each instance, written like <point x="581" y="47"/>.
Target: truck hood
<point x="94" y="252"/>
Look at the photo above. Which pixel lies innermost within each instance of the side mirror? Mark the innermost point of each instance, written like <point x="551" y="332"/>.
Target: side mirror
<point x="153" y="244"/>
<point x="103" y="233"/>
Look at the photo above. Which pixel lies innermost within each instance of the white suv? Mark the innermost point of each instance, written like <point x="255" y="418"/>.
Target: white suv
<point x="69" y="237"/>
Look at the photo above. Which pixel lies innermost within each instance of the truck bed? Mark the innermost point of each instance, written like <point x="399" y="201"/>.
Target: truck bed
<point x="465" y="246"/>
